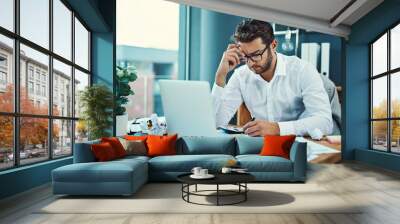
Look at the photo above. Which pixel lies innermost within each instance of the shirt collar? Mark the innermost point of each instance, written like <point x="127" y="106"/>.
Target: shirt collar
<point x="280" y="68"/>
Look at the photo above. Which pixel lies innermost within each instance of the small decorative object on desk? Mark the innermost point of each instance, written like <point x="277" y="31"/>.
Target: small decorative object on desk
<point x="156" y="126"/>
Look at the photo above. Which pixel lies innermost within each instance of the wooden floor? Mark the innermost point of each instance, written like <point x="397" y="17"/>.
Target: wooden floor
<point x="378" y="189"/>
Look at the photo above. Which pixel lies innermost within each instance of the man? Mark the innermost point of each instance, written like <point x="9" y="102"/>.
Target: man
<point x="284" y="94"/>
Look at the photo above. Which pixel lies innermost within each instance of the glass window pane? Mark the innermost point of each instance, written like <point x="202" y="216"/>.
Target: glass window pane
<point x="6" y="74"/>
<point x="7" y="14"/>
<point x="395" y="94"/>
<point x="62" y="89"/>
<point x="34" y="72"/>
<point x="81" y="131"/>
<point x="62" y="29"/>
<point x="395" y="47"/>
<point x="81" y="81"/>
<point x="147" y="98"/>
<point x="379" y="135"/>
<point x="35" y="21"/>
<point x="81" y="45"/>
<point x="6" y="142"/>
<point x="62" y="138"/>
<point x="33" y="140"/>
<point x="395" y="136"/>
<point x="379" y="97"/>
<point x="379" y="55"/>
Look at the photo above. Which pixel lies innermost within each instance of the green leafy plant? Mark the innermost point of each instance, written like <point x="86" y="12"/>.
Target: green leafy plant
<point x="122" y="88"/>
<point x="96" y="102"/>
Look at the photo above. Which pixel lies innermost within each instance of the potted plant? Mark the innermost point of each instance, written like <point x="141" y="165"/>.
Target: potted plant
<point x="122" y="91"/>
<point x="96" y="102"/>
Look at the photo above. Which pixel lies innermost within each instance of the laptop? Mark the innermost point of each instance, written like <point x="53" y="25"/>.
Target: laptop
<point x="188" y="107"/>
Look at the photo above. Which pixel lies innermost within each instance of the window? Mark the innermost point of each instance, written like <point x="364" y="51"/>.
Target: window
<point x="44" y="91"/>
<point x="81" y="45"/>
<point x="154" y="58"/>
<point x="35" y="21"/>
<point x="30" y="87"/>
<point x="62" y="30"/>
<point x="3" y="61"/>
<point x="45" y="73"/>
<point x="30" y="72"/>
<point x="62" y="74"/>
<point x="385" y="94"/>
<point x="6" y="73"/>
<point x="81" y="81"/>
<point x="37" y="89"/>
<point x="37" y="74"/>
<point x="7" y="14"/>
<point x="3" y="78"/>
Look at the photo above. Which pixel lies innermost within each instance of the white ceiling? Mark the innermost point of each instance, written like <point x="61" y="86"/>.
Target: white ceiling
<point x="319" y="9"/>
<point x="314" y="15"/>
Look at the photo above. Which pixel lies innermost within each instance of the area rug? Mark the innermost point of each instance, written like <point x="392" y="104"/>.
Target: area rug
<point x="166" y="198"/>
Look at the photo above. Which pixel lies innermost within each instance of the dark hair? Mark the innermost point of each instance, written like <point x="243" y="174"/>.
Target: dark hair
<point x="250" y="29"/>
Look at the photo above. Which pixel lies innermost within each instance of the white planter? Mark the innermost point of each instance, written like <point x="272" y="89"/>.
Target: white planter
<point x="121" y="125"/>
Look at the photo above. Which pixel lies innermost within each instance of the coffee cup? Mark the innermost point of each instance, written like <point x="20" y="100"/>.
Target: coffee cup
<point x="196" y="171"/>
<point x="203" y="172"/>
<point x="226" y="170"/>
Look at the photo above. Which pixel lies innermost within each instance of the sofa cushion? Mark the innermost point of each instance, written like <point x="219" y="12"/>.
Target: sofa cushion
<point x="248" y="145"/>
<point x="185" y="163"/>
<point x="112" y="171"/>
<point x="277" y="145"/>
<point x="116" y="145"/>
<point x="134" y="147"/>
<point x="103" y="152"/>
<point x="257" y="163"/>
<point x="195" y="145"/>
<point x="161" y="145"/>
<point x="133" y="138"/>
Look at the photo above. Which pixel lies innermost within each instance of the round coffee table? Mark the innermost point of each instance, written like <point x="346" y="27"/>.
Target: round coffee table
<point x="238" y="179"/>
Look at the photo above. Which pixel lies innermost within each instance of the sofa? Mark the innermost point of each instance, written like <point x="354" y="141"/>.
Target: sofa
<point x="126" y="175"/>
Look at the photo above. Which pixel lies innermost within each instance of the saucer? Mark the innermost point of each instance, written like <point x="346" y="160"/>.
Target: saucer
<point x="208" y="176"/>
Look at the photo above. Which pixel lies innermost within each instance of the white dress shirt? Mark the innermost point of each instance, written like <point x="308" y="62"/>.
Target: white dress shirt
<point x="295" y="97"/>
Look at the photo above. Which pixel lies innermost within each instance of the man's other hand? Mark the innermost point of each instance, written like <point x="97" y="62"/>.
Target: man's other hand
<point x="261" y="128"/>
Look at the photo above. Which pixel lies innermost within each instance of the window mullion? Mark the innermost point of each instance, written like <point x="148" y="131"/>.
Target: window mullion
<point x="50" y="81"/>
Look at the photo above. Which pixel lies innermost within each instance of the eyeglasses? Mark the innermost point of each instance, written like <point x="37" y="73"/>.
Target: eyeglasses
<point x="255" y="57"/>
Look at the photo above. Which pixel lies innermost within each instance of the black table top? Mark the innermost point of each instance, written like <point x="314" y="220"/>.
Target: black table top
<point x="220" y="178"/>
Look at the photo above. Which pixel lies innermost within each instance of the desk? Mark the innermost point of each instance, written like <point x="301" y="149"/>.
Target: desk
<point x="327" y="157"/>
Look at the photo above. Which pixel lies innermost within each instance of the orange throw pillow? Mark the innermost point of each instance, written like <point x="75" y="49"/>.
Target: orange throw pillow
<point x="103" y="152"/>
<point x="277" y="145"/>
<point x="135" y="138"/>
<point x="116" y="145"/>
<point x="161" y="145"/>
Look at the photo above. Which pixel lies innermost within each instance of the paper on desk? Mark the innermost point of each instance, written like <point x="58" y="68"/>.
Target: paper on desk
<point x="315" y="149"/>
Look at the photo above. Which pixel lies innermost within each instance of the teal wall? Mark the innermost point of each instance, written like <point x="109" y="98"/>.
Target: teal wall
<point x="99" y="15"/>
<point x="24" y="178"/>
<point x="336" y="52"/>
<point x="356" y="109"/>
<point x="209" y="36"/>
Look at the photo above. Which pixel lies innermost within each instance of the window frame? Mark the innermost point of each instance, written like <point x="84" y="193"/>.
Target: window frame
<point x="388" y="74"/>
<point x="16" y="114"/>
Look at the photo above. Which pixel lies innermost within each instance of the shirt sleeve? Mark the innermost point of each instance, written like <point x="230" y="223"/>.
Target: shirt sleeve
<point x="317" y="113"/>
<point x="226" y="100"/>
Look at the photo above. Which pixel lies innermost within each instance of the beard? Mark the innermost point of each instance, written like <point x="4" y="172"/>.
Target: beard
<point x="266" y="66"/>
